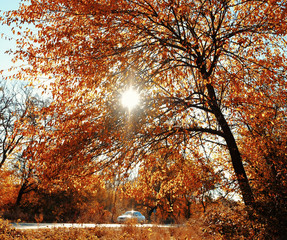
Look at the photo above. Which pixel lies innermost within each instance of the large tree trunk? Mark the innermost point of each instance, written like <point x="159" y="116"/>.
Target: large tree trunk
<point x="150" y="213"/>
<point x="236" y="159"/>
<point x="25" y="188"/>
<point x="20" y="194"/>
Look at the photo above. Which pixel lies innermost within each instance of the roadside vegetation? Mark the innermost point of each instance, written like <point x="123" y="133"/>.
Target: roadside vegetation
<point x="221" y="220"/>
<point x="127" y="232"/>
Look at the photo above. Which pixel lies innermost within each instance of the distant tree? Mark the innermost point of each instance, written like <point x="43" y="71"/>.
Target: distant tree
<point x="8" y="190"/>
<point x="18" y="109"/>
<point x="11" y="110"/>
<point x="202" y="67"/>
<point x="168" y="183"/>
<point x="25" y="164"/>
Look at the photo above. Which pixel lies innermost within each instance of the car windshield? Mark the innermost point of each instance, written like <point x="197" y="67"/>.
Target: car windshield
<point x="132" y="213"/>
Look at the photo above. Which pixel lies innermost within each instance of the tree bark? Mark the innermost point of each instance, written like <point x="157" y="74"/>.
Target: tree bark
<point x="20" y="194"/>
<point x="25" y="188"/>
<point x="236" y="159"/>
<point x="150" y="213"/>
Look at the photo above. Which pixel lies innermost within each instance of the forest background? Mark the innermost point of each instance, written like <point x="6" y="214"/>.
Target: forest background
<point x="206" y="142"/>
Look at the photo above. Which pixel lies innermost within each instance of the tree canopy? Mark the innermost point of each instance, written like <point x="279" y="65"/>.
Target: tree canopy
<point x="204" y="68"/>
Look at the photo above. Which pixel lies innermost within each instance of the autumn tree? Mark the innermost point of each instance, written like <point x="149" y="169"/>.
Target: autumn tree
<point x="169" y="183"/>
<point x="201" y="68"/>
<point x="266" y="163"/>
<point x="25" y="164"/>
<point x="11" y="109"/>
<point x="8" y="190"/>
<point x="18" y="111"/>
<point x="14" y="108"/>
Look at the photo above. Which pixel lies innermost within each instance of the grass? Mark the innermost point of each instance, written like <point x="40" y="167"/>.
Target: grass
<point x="128" y="232"/>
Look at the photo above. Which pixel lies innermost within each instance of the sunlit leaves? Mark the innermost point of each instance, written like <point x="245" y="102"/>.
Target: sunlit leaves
<point x="202" y="68"/>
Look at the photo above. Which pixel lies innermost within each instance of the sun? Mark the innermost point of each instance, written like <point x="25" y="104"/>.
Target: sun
<point x="130" y="98"/>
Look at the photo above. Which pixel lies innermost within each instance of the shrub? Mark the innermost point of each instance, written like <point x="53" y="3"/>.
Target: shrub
<point x="6" y="231"/>
<point x="239" y="222"/>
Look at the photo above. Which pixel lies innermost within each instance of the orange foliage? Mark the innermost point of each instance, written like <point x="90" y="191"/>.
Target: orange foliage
<point x="266" y="164"/>
<point x="202" y="67"/>
<point x="168" y="184"/>
<point x="8" y="190"/>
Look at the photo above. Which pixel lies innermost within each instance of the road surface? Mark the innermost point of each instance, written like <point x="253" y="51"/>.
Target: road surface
<point x="30" y="226"/>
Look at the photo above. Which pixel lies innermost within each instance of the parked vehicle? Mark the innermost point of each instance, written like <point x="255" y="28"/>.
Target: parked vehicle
<point x="131" y="216"/>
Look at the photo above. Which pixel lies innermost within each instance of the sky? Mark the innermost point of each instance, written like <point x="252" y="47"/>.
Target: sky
<point x="5" y="59"/>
